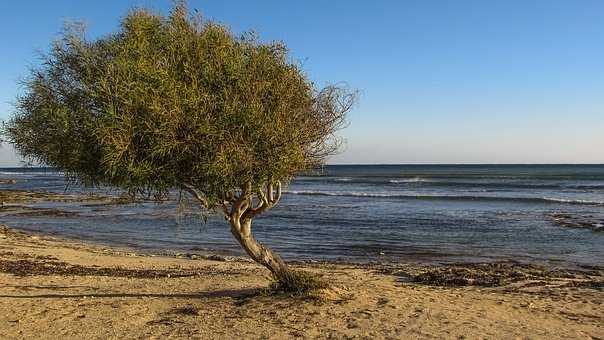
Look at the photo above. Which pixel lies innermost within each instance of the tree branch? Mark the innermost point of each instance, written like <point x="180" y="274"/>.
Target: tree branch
<point x="196" y="193"/>
<point x="241" y="204"/>
<point x="225" y="209"/>
<point x="268" y="200"/>
<point x="279" y="193"/>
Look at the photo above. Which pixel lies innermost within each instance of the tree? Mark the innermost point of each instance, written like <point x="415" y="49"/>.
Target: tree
<point x="179" y="103"/>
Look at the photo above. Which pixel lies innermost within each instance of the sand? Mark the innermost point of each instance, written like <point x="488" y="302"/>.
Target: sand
<point x="54" y="288"/>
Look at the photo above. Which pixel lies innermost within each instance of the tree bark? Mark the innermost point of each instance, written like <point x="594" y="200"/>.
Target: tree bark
<point x="240" y="211"/>
<point x="242" y="230"/>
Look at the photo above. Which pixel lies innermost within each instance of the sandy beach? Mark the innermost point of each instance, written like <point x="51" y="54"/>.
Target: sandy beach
<point x="54" y="288"/>
<point x="180" y="169"/>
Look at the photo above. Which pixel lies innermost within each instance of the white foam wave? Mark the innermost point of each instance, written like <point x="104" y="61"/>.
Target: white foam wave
<point x="408" y="180"/>
<point x="569" y="201"/>
<point x="347" y="193"/>
<point x="448" y="197"/>
<point x="31" y="173"/>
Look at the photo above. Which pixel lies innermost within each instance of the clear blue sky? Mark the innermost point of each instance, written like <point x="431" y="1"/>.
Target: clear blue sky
<point x="441" y="81"/>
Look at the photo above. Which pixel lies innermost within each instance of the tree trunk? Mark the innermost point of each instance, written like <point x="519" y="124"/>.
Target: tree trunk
<point x="242" y="230"/>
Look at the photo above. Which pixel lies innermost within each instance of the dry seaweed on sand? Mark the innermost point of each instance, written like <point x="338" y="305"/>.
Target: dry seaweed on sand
<point x="28" y="267"/>
<point x="496" y="274"/>
<point x="185" y="310"/>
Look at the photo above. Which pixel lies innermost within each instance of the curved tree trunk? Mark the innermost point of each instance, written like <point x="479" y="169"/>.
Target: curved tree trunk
<point x="242" y="230"/>
<point x="240" y="211"/>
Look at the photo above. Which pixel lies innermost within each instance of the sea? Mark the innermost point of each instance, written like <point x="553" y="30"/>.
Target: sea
<point x="550" y="214"/>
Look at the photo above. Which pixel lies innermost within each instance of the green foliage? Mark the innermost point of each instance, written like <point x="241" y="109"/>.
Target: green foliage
<point x="171" y="101"/>
<point x="298" y="282"/>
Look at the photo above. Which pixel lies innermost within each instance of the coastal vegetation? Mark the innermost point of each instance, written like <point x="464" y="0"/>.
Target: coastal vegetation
<point x="179" y="103"/>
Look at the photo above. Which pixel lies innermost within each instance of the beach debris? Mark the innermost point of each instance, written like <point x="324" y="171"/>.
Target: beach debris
<point x="163" y="321"/>
<point x="211" y="257"/>
<point x="382" y="301"/>
<point x="366" y="312"/>
<point x="216" y="258"/>
<point x="185" y="310"/>
<point x="499" y="274"/>
<point x="28" y="265"/>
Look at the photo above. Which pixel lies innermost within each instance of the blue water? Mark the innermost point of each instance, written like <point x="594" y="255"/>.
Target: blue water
<point x="367" y="213"/>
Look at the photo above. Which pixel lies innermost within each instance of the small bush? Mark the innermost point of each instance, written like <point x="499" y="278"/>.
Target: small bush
<point x="298" y="283"/>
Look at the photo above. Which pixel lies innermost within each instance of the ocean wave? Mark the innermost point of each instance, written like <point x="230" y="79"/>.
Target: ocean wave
<point x="450" y="197"/>
<point x="564" y="200"/>
<point x="507" y="185"/>
<point x="408" y="180"/>
<point x="432" y="182"/>
<point x="31" y="173"/>
<point x="469" y="176"/>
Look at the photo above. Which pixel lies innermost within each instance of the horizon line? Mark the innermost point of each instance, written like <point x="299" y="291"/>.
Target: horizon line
<point x="376" y="164"/>
<point x="469" y="163"/>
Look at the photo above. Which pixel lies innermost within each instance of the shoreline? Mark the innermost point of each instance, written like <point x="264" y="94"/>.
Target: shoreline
<point x="412" y="260"/>
<point x="66" y="288"/>
<point x="405" y="269"/>
<point x="41" y="205"/>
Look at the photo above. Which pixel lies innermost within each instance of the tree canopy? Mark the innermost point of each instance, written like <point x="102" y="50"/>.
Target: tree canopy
<point x="172" y="101"/>
<point x="177" y="102"/>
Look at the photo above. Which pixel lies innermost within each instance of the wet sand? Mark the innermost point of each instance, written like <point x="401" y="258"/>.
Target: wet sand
<point x="56" y="288"/>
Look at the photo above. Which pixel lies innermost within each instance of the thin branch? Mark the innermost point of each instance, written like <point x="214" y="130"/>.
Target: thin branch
<point x="196" y="193"/>
<point x="267" y="202"/>
<point x="262" y="197"/>
<point x="241" y="201"/>
<point x="261" y="201"/>
<point x="269" y="191"/>
<point x="225" y="209"/>
<point x="279" y="193"/>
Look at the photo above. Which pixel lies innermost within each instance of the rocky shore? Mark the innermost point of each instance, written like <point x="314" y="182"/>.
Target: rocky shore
<point x="594" y="223"/>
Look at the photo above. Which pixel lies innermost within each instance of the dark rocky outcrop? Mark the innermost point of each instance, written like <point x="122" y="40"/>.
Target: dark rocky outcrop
<point x="592" y="222"/>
